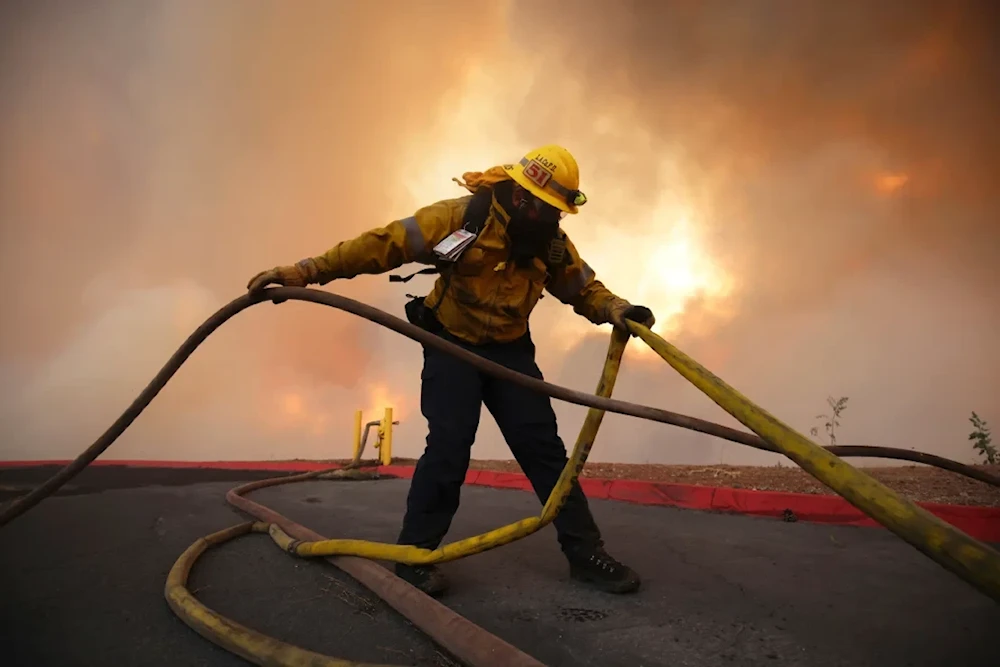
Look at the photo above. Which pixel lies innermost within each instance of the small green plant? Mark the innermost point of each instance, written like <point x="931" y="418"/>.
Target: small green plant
<point x="981" y="439"/>
<point x="837" y="407"/>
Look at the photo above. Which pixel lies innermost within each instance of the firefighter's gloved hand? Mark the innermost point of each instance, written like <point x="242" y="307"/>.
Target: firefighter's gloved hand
<point x="285" y="276"/>
<point x="640" y="314"/>
<point x="623" y="310"/>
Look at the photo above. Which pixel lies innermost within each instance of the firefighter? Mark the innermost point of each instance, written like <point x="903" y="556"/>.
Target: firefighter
<point x="482" y="301"/>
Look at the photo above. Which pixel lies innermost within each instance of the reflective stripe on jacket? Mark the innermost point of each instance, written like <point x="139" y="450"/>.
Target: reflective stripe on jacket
<point x="488" y="299"/>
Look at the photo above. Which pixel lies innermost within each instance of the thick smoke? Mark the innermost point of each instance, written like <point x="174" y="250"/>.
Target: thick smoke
<point x="155" y="156"/>
<point x="845" y="160"/>
<point x="838" y="159"/>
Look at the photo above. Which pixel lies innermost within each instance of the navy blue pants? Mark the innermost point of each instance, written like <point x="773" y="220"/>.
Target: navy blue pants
<point x="451" y="399"/>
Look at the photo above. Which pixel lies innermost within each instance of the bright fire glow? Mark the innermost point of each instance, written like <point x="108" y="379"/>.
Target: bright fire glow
<point x="300" y="410"/>
<point x="296" y="414"/>
<point x="380" y="397"/>
<point x="889" y="184"/>
<point x="676" y="271"/>
<point x="661" y="265"/>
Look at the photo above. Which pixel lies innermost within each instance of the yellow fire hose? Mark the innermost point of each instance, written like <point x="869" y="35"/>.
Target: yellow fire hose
<point x="973" y="561"/>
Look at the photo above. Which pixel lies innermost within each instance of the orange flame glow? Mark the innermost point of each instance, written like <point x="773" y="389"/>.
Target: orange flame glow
<point x="663" y="268"/>
<point x="296" y="414"/>
<point x="380" y="397"/>
<point x="890" y="183"/>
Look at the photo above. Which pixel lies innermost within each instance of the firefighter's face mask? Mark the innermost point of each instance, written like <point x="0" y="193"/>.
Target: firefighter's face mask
<point x="533" y="224"/>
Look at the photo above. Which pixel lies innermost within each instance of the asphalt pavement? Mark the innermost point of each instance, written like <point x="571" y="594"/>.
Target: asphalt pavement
<point x="82" y="574"/>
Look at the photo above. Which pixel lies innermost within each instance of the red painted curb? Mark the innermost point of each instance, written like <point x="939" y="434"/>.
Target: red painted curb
<point x="983" y="523"/>
<point x="281" y="466"/>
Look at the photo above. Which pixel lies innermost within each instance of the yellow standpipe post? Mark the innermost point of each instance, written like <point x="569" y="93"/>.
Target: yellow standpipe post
<point x="357" y="436"/>
<point x="386" y="451"/>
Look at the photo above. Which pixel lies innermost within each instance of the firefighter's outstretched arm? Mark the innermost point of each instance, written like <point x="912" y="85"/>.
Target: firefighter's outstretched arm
<point x="375" y="251"/>
<point x="576" y="285"/>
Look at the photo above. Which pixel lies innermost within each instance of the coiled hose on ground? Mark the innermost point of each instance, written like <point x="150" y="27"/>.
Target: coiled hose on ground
<point x="973" y="561"/>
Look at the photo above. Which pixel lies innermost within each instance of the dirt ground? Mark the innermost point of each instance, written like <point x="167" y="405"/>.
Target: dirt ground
<point x="919" y="483"/>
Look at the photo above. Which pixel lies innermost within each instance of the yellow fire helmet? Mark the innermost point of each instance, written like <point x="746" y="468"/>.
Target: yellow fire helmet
<point x="551" y="174"/>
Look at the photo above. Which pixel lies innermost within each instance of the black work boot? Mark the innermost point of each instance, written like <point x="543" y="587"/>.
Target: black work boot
<point x="595" y="567"/>
<point x="427" y="578"/>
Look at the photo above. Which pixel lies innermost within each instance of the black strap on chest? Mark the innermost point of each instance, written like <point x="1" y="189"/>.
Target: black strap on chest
<point x="395" y="278"/>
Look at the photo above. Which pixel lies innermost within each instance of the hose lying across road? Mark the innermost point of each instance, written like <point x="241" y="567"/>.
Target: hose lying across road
<point x="976" y="563"/>
<point x="459" y="636"/>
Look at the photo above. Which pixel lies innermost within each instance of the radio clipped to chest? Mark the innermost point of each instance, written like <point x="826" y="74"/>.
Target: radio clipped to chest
<point x="452" y="247"/>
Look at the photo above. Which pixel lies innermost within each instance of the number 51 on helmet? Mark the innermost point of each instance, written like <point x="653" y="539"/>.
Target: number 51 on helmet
<point x="551" y="174"/>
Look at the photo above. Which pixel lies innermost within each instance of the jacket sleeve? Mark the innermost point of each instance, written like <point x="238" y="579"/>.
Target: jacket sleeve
<point x="576" y="285"/>
<point x="386" y="248"/>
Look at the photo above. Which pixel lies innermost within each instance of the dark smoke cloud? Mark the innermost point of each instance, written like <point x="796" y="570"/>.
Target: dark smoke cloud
<point x="791" y="108"/>
<point x="783" y="117"/>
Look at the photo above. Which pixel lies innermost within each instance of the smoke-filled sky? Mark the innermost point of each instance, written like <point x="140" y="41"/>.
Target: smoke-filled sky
<point x="804" y="192"/>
